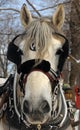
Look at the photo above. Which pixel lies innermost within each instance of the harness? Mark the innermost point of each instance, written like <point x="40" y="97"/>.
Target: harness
<point x="58" y="87"/>
<point x="6" y="91"/>
<point x="12" y="105"/>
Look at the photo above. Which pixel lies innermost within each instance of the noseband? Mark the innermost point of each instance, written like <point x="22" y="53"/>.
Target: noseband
<point x="28" y="67"/>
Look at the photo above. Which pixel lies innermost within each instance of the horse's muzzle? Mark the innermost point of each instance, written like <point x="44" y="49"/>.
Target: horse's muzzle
<point x="43" y="107"/>
<point x="38" y="114"/>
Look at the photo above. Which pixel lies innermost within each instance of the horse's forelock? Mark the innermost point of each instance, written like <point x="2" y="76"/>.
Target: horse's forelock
<point x="38" y="32"/>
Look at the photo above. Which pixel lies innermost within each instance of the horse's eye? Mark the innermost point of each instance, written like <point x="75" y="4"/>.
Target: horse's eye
<point x="59" y="51"/>
<point x="32" y="47"/>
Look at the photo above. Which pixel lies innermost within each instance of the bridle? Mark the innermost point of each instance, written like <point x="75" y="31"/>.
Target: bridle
<point x="53" y="76"/>
<point x="14" y="53"/>
<point x="58" y="86"/>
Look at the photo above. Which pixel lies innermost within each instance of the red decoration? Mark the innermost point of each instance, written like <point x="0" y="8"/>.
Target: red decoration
<point x="77" y="97"/>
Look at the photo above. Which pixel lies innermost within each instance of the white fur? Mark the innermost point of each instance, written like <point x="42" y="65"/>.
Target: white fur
<point x="33" y="91"/>
<point x="38" y="85"/>
<point x="50" y="55"/>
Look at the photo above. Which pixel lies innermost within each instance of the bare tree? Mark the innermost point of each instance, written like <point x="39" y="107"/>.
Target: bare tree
<point x="8" y="29"/>
<point x="75" y="39"/>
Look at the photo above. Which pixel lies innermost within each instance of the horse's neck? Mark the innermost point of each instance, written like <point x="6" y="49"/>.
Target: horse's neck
<point x="1" y="124"/>
<point x="5" y="126"/>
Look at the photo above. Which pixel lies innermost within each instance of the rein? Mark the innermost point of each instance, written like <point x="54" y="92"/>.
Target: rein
<point x="72" y="58"/>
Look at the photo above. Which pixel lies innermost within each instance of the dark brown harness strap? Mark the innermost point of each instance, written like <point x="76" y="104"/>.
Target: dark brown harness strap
<point x="75" y="123"/>
<point x="3" y="99"/>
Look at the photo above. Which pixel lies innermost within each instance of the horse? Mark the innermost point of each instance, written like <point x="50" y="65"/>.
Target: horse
<point x="37" y="95"/>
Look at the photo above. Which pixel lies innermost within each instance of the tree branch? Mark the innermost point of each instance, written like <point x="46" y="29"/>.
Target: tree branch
<point x="5" y="33"/>
<point x="10" y="9"/>
<point x="52" y="6"/>
<point x="34" y="8"/>
<point x="37" y="11"/>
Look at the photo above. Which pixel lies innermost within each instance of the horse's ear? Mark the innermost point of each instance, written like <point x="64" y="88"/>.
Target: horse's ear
<point x="58" y="17"/>
<point x="25" y="16"/>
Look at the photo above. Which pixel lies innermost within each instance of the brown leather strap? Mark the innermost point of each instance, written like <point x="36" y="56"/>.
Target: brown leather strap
<point x="3" y="99"/>
<point x="75" y="123"/>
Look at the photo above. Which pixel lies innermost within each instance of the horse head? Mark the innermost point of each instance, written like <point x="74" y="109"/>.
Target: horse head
<point x="42" y="41"/>
<point x="44" y="48"/>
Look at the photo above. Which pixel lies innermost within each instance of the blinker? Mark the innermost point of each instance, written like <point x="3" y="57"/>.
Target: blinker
<point x="14" y="52"/>
<point x="63" y="53"/>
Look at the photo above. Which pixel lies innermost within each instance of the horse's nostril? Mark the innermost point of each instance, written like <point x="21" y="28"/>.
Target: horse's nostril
<point x="45" y="107"/>
<point x="26" y="106"/>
